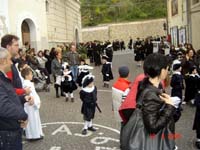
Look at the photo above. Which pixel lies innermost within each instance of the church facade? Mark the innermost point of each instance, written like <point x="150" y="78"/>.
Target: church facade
<point x="41" y="23"/>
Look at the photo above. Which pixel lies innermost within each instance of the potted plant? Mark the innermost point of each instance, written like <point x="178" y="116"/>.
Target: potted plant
<point x="82" y="50"/>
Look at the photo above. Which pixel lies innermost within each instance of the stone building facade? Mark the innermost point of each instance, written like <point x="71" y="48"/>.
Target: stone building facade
<point x="41" y="23"/>
<point x="124" y="31"/>
<point x="183" y="21"/>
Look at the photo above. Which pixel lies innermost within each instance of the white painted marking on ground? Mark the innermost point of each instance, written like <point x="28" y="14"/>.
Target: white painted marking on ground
<point x="100" y="133"/>
<point x="63" y="129"/>
<point x="80" y="135"/>
<point x="106" y="148"/>
<point x="81" y="123"/>
<point x="55" y="148"/>
<point x="102" y="140"/>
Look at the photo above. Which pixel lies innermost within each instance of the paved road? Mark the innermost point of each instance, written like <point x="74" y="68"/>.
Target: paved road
<point x="63" y="122"/>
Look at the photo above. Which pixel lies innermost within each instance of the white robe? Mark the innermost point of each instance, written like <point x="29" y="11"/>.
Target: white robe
<point x="34" y="127"/>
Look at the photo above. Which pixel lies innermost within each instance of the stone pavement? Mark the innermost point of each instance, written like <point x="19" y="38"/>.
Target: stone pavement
<point x="63" y="122"/>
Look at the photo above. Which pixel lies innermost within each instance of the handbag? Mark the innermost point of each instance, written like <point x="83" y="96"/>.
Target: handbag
<point x="136" y="137"/>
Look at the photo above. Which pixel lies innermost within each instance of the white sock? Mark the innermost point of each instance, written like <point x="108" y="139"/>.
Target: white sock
<point x="86" y="125"/>
<point x="66" y="95"/>
<point x="71" y="95"/>
<point x="89" y="124"/>
<point x="198" y="140"/>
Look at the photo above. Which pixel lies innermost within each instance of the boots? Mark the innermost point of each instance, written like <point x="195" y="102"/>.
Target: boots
<point x="56" y="88"/>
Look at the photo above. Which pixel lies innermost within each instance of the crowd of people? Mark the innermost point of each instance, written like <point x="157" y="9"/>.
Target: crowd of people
<point x="142" y="107"/>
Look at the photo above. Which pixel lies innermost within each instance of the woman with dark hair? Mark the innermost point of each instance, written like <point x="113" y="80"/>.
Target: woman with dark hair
<point x="188" y="61"/>
<point x="49" y="60"/>
<point x="154" y="130"/>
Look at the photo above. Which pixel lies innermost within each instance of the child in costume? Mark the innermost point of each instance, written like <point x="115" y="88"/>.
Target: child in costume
<point x="88" y="96"/>
<point x="68" y="85"/>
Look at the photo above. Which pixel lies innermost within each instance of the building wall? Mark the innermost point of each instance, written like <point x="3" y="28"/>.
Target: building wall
<point x="123" y="31"/>
<point x="178" y="23"/>
<point x="35" y="12"/>
<point x="63" y="18"/>
<point x="195" y="19"/>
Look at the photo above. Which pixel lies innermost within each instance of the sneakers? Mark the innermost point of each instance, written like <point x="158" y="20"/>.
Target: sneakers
<point x="92" y="129"/>
<point x="66" y="99"/>
<point x="84" y="132"/>
<point x="72" y="99"/>
<point x="197" y="144"/>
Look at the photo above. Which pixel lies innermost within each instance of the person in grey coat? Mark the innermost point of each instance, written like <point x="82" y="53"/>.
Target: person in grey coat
<point x="56" y="69"/>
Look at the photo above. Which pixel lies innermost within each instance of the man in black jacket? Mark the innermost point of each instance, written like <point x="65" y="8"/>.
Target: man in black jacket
<point x="12" y="114"/>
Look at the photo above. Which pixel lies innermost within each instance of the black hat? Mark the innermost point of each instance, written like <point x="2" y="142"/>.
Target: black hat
<point x="192" y="69"/>
<point x="87" y="80"/>
<point x="123" y="71"/>
<point x="105" y="57"/>
<point x="176" y="66"/>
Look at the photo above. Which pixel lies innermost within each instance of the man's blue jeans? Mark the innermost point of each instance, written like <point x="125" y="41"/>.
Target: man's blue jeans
<point x="11" y="140"/>
<point x="74" y="70"/>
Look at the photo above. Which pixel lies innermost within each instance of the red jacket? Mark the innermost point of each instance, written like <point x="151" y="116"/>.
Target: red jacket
<point x="18" y="91"/>
<point x="122" y="84"/>
<point x="130" y="101"/>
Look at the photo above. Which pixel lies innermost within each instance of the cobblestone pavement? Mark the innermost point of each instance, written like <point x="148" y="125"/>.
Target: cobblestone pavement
<point x="62" y="121"/>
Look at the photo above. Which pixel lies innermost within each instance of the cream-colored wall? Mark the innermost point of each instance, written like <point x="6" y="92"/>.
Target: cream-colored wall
<point x="179" y="19"/>
<point x="123" y="31"/>
<point x="195" y="19"/>
<point x="63" y="18"/>
<point x="33" y="10"/>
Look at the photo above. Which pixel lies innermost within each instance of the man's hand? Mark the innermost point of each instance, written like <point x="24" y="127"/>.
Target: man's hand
<point x="23" y="124"/>
<point x="29" y="99"/>
<point x="27" y="90"/>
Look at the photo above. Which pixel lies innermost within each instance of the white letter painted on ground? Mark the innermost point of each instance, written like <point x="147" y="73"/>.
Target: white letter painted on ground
<point x="102" y="140"/>
<point x="62" y="129"/>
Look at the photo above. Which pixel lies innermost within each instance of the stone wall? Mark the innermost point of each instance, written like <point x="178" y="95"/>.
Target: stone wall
<point x="63" y="20"/>
<point x="123" y="31"/>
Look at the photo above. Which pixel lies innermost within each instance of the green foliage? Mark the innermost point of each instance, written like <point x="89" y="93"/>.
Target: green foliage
<point x="96" y="12"/>
<point x="82" y="50"/>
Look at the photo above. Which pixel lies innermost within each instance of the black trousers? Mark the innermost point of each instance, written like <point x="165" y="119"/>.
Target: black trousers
<point x="198" y="134"/>
<point x="11" y="140"/>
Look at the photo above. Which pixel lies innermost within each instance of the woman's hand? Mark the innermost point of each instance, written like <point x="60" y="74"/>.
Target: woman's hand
<point x="166" y="98"/>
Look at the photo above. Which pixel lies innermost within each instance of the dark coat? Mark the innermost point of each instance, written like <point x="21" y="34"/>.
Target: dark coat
<point x="89" y="103"/>
<point x="157" y="114"/>
<point x="48" y="63"/>
<point x="81" y="76"/>
<point x="148" y="48"/>
<point x="177" y="85"/>
<point x="16" y="79"/>
<point x="107" y="72"/>
<point x="139" y="51"/>
<point x="11" y="109"/>
<point x="196" y="125"/>
<point x="191" y="82"/>
<point x="68" y="86"/>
